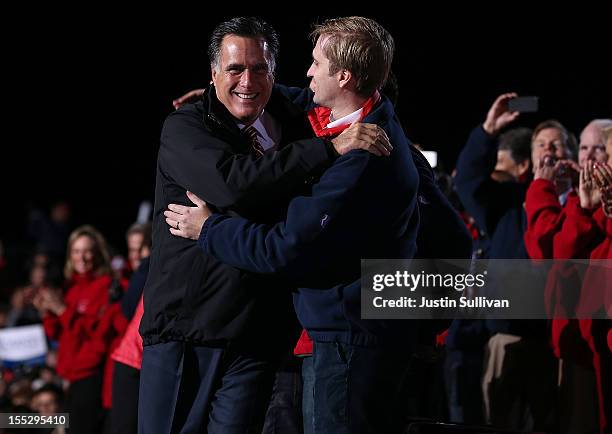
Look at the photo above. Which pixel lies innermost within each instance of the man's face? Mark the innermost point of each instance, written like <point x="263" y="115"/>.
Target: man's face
<point x="591" y="146"/>
<point x="548" y="142"/>
<point x="324" y="86"/>
<point x="244" y="78"/>
<point x="45" y="403"/>
<point x="609" y="150"/>
<point x="134" y="243"/>
<point x="506" y="169"/>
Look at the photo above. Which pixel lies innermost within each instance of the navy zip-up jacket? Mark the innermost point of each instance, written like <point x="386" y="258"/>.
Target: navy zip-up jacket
<point x="362" y="207"/>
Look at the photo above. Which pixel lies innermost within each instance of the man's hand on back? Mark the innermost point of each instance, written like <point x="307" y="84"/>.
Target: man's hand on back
<point x="369" y="137"/>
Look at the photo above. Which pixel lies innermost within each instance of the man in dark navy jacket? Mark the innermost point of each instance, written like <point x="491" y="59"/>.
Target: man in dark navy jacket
<point x="211" y="336"/>
<point x="362" y="207"/>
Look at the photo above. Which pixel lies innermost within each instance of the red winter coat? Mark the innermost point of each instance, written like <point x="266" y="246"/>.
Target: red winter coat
<point x="77" y="329"/>
<point x="88" y="330"/>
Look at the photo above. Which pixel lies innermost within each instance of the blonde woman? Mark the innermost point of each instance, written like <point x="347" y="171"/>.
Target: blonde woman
<point x="74" y="320"/>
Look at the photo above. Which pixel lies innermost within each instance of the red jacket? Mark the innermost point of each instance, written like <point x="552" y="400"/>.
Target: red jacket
<point x="129" y="351"/>
<point x="114" y="324"/>
<point x="581" y="229"/>
<point x="596" y="294"/>
<point x="81" y="349"/>
<point x="545" y="219"/>
<point x="545" y="215"/>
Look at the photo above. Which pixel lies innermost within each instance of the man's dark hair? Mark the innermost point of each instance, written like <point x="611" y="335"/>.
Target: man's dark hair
<point x="140" y="228"/>
<point x="250" y="27"/>
<point x="147" y="239"/>
<point x="518" y="142"/>
<point x="51" y="388"/>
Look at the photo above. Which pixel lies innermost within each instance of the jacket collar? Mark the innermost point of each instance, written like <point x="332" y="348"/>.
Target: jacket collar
<point x="381" y="112"/>
<point x="217" y="114"/>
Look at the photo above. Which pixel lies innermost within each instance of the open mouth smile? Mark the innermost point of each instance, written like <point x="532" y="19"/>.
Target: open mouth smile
<point x="246" y="96"/>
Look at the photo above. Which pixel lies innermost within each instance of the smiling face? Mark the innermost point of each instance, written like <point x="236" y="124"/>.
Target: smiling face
<point x="82" y="254"/>
<point x="243" y="78"/>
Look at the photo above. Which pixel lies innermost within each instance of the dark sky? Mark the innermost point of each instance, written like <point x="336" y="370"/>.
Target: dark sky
<point x="90" y="93"/>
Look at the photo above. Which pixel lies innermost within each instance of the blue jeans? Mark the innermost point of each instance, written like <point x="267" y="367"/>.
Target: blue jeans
<point x="350" y="389"/>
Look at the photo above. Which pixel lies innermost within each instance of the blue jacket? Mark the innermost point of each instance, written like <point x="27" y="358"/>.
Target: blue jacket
<point x="362" y="207"/>
<point x="497" y="208"/>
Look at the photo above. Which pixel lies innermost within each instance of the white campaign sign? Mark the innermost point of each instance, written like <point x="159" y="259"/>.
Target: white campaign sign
<point x="22" y="343"/>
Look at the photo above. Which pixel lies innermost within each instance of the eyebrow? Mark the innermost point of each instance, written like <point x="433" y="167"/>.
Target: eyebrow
<point x="242" y="66"/>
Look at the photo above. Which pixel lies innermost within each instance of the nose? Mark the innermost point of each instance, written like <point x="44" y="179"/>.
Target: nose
<point x="591" y="153"/>
<point x="246" y="79"/>
<point x="551" y="149"/>
<point x="310" y="72"/>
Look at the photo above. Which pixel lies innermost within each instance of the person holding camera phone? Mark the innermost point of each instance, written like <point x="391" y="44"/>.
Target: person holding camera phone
<point x="497" y="205"/>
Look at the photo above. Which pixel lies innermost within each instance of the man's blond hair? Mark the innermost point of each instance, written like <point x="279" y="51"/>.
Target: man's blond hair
<point x="359" y="45"/>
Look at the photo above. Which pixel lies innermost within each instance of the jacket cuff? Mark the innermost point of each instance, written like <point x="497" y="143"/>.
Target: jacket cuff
<point x="331" y="150"/>
<point x="486" y="136"/>
<point x="204" y="232"/>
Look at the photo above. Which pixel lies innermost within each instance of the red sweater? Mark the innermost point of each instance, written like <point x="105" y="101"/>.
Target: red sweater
<point x="81" y="347"/>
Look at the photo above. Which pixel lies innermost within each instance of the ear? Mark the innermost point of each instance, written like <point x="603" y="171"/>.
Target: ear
<point x="344" y="78"/>
<point x="213" y="74"/>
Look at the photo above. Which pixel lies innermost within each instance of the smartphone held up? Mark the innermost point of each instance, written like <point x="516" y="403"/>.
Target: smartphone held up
<point x="523" y="104"/>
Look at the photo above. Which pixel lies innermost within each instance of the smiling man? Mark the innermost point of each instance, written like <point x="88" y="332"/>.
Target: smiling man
<point x="211" y="336"/>
<point x="243" y="90"/>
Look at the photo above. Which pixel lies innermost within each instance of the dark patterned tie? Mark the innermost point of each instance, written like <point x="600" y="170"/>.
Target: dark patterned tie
<point x="256" y="147"/>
